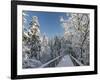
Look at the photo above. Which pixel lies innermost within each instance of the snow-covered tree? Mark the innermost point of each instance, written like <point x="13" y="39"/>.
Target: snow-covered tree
<point x="34" y="41"/>
<point x="81" y="24"/>
<point x="76" y="30"/>
<point x="31" y="44"/>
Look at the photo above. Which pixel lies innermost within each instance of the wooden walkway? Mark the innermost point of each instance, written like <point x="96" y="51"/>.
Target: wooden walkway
<point x="65" y="61"/>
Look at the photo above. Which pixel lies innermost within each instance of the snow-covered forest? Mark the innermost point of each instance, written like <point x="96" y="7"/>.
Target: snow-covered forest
<point x="69" y="49"/>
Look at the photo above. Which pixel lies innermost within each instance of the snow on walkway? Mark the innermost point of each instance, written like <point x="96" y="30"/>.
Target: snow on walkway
<point x="65" y="61"/>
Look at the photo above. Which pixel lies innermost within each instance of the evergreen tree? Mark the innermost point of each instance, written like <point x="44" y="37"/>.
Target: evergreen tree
<point x="35" y="47"/>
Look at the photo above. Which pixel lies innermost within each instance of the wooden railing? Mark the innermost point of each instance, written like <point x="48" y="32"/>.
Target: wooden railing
<point x="51" y="61"/>
<point x="76" y="61"/>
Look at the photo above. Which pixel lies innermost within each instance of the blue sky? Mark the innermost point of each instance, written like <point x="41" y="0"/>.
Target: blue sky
<point x="49" y="22"/>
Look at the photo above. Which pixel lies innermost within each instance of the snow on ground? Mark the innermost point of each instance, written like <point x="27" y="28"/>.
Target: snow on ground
<point x="65" y="61"/>
<point x="31" y="63"/>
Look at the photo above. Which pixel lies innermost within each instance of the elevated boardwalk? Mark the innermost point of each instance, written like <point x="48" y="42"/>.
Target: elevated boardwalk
<point x="65" y="61"/>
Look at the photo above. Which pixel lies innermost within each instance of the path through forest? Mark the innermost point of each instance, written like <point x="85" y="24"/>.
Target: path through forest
<point x="65" y="61"/>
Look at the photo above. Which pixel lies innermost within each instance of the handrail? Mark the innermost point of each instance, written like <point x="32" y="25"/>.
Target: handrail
<point x="44" y="65"/>
<point x="78" y="62"/>
<point x="50" y="61"/>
